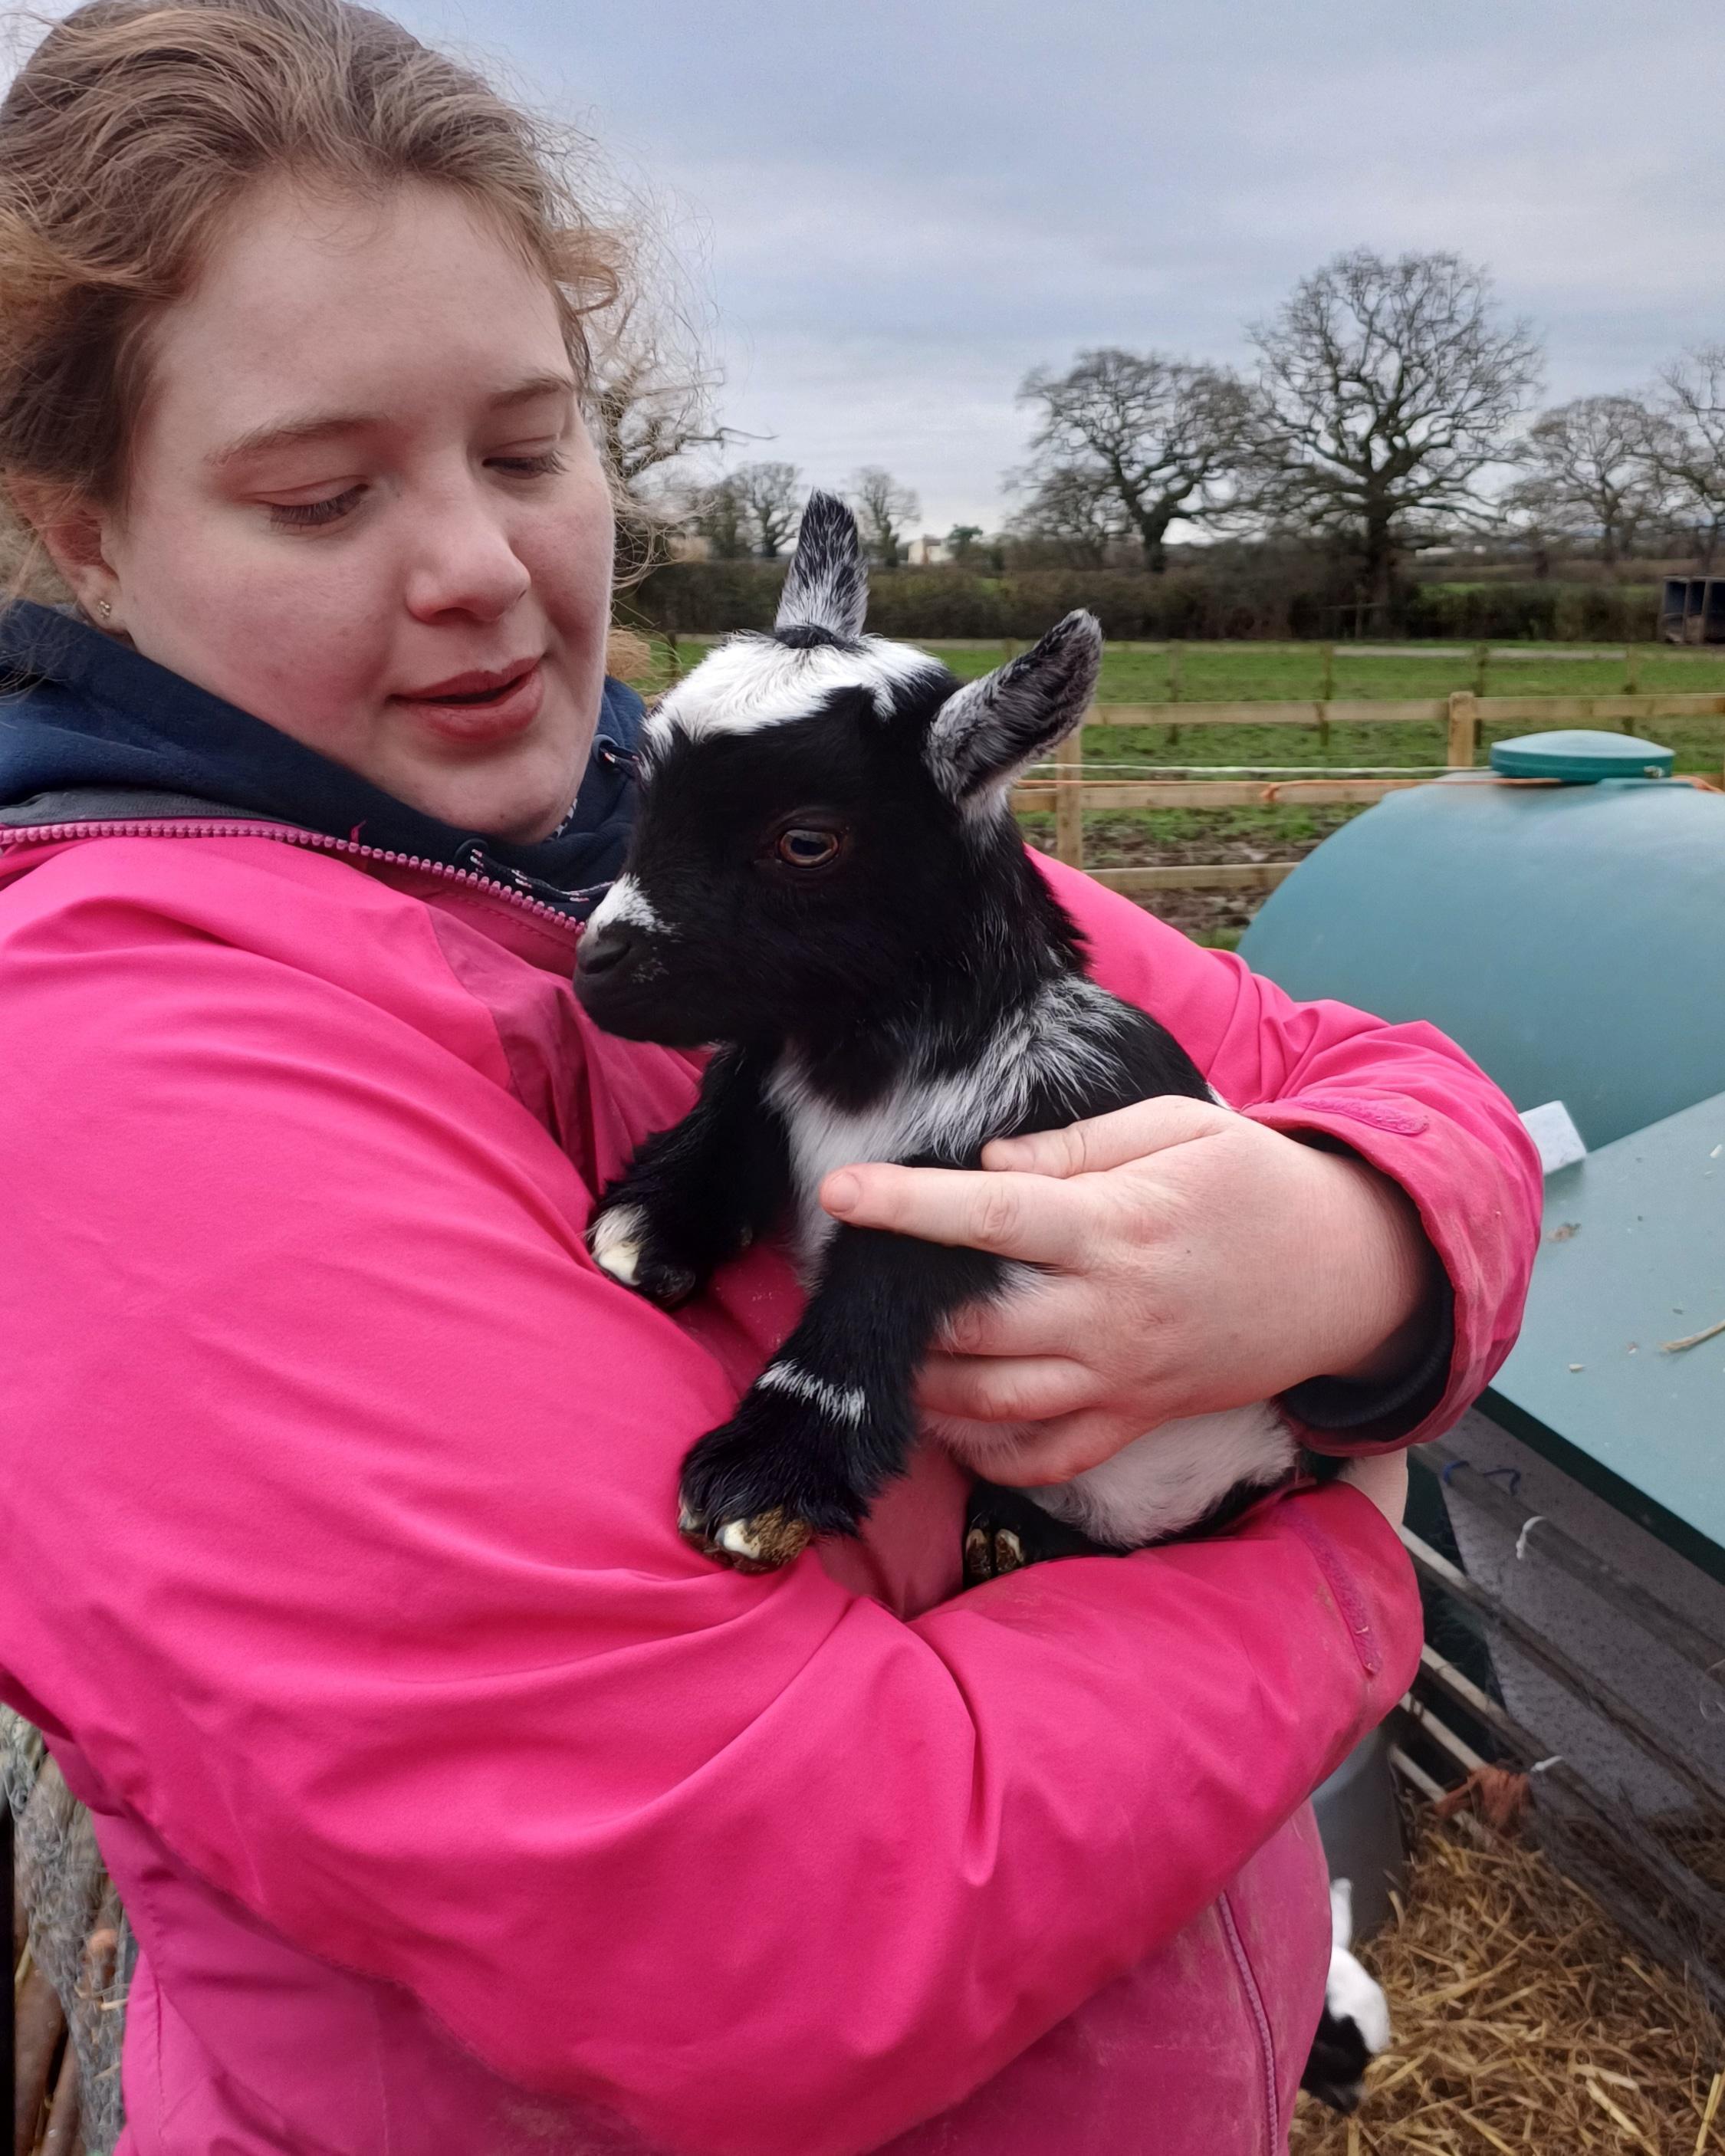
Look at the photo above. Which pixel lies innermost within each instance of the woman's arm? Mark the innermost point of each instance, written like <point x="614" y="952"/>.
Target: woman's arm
<point x="343" y="1486"/>
<point x="1357" y="1239"/>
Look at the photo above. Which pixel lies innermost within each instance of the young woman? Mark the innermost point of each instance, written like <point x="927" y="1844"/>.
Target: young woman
<point x="456" y="1804"/>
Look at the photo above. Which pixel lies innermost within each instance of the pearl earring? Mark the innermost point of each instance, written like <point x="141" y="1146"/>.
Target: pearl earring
<point x="104" y="610"/>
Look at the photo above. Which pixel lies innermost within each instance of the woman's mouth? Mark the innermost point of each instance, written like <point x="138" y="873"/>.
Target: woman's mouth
<point x="480" y="708"/>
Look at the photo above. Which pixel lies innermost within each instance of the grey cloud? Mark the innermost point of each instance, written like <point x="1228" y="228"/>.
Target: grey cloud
<point x="907" y="203"/>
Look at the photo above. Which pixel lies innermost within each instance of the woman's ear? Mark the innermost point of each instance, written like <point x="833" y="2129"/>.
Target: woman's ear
<point x="73" y="533"/>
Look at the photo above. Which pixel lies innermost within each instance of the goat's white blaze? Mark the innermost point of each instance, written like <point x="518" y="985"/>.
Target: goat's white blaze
<point x="754" y="681"/>
<point x="625" y="905"/>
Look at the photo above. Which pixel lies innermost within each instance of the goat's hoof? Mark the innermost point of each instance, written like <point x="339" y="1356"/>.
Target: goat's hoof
<point x="991" y="1553"/>
<point x="1005" y="1530"/>
<point x="622" y="1243"/>
<point x="762" y="1543"/>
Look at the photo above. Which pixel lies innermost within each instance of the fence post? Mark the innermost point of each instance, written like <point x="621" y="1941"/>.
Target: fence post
<point x="1325" y="695"/>
<point x="1631" y="671"/>
<point x="1464" y="729"/>
<point x="1069" y="799"/>
<point x="1483" y="659"/>
<point x="1174" y="655"/>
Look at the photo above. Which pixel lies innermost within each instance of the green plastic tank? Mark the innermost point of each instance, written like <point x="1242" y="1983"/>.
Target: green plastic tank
<point x="1571" y="936"/>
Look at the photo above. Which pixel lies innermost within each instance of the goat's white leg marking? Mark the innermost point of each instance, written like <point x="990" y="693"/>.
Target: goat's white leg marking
<point x="616" y="1240"/>
<point x="845" y="1404"/>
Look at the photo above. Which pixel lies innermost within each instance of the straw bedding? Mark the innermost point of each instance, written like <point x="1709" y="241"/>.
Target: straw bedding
<point x="1524" y="2019"/>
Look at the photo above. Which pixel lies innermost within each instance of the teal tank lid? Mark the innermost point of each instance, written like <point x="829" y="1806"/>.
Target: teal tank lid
<point x="1581" y="757"/>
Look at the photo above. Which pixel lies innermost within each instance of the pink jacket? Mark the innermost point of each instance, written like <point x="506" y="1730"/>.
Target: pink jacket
<point x="458" y="1806"/>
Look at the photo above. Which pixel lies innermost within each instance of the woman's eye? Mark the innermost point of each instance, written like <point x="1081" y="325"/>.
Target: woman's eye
<point x="547" y="460"/>
<point x="307" y="516"/>
<point x="805" y="846"/>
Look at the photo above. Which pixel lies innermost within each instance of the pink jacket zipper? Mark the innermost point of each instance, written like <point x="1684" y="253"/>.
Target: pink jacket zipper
<point x="291" y="834"/>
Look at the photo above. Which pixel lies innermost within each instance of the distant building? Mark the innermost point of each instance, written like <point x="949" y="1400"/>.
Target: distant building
<point x="928" y="550"/>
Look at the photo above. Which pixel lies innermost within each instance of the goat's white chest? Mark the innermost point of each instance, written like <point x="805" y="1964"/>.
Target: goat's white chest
<point x="1058" y="1036"/>
<point x="823" y="1138"/>
<point x="954" y="1111"/>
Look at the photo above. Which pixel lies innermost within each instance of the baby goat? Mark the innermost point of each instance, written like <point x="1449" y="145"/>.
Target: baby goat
<point x="826" y="880"/>
<point x="1354" y="2025"/>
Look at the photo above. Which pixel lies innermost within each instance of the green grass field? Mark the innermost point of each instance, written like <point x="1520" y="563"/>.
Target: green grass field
<point x="1274" y="673"/>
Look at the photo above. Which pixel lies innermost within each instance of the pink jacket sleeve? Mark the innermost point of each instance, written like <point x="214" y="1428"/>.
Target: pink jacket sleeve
<point x="1402" y="1098"/>
<point x="344" y="1503"/>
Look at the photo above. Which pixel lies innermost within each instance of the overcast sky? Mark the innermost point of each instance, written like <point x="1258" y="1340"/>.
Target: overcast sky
<point x="894" y="208"/>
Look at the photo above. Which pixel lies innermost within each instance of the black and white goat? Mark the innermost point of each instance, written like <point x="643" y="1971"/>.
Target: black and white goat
<point x="826" y="880"/>
<point x="1354" y="2025"/>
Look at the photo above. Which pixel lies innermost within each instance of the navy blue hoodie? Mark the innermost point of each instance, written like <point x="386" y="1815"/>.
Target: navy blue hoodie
<point x="82" y="714"/>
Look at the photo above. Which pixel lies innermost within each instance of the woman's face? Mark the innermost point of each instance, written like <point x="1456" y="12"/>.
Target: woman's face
<point x="363" y="506"/>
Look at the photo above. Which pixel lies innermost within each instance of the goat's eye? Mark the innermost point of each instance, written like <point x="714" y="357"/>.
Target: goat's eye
<point x="807" y="846"/>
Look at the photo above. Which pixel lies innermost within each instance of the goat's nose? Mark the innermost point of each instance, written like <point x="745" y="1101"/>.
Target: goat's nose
<point x="603" y="949"/>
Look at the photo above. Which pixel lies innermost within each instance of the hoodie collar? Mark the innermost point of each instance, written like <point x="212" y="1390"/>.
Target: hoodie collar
<point x="83" y="711"/>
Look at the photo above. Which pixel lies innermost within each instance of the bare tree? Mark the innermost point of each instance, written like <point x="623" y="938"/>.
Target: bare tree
<point x="717" y="512"/>
<point x="1592" y="473"/>
<point x="1157" y="437"/>
<point x="1073" y="509"/>
<point x="1386" y="390"/>
<point x="1688" y="448"/>
<point x="649" y="402"/>
<point x="771" y="496"/>
<point x="882" y="507"/>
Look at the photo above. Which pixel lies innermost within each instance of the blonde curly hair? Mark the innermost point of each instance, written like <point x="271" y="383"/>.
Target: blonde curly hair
<point x="134" y="127"/>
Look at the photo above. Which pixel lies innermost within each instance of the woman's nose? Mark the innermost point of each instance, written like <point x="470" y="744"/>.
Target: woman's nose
<point x="463" y="563"/>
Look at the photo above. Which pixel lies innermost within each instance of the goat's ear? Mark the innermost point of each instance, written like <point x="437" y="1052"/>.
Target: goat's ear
<point x="826" y="587"/>
<point x="988" y="731"/>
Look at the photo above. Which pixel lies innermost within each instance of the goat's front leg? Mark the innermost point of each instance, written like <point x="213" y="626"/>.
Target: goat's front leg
<point x="830" y="1420"/>
<point x="699" y="1193"/>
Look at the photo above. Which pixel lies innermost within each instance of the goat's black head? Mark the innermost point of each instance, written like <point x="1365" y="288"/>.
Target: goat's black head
<point x="824" y="821"/>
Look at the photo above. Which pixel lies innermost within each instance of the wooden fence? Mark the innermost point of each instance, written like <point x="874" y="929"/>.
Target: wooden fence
<point x="1062" y="786"/>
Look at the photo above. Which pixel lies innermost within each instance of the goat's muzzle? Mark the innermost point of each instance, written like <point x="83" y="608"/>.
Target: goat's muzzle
<point x="603" y="949"/>
<point x="621" y="982"/>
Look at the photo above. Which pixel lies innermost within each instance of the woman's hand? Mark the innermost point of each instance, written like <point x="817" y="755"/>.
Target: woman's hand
<point x="1193" y="1259"/>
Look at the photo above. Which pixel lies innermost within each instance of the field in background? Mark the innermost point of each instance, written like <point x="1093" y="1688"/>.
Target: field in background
<point x="1271" y="673"/>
